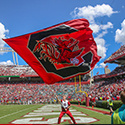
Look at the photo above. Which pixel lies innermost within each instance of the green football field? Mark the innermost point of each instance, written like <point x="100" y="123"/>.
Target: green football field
<point x="48" y="114"/>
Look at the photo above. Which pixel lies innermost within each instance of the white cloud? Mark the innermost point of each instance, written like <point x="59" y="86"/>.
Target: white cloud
<point x="3" y="31"/>
<point x="95" y="28"/>
<point x="101" y="49"/>
<point x="8" y="62"/>
<point x="90" y="12"/>
<point x="101" y="65"/>
<point x="107" y="26"/>
<point x="120" y="34"/>
<point x="102" y="33"/>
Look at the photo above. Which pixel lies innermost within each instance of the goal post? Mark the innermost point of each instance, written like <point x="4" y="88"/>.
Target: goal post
<point x="80" y="91"/>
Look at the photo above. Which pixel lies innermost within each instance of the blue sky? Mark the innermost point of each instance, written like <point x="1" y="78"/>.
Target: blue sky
<point x="106" y="17"/>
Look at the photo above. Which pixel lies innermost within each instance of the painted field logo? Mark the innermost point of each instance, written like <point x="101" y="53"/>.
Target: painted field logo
<point x="39" y="116"/>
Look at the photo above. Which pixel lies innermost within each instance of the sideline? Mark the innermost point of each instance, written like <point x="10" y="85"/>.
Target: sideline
<point x="14" y="113"/>
<point x="96" y="110"/>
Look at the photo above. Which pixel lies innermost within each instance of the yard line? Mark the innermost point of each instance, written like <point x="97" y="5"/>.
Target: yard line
<point x="14" y="113"/>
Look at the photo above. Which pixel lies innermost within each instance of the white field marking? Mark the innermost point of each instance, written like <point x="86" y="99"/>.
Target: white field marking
<point x="51" y="110"/>
<point x="51" y="105"/>
<point x="47" y="110"/>
<point x="47" y="107"/>
<point x="54" y="107"/>
<point x="14" y="113"/>
<point x="53" y="120"/>
<point x="52" y="113"/>
<point x="33" y="113"/>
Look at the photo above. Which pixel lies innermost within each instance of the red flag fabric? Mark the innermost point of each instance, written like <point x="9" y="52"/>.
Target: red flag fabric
<point x="59" y="52"/>
<point x="106" y="66"/>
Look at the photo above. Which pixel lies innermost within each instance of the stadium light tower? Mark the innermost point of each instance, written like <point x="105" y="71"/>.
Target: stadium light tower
<point x="14" y="54"/>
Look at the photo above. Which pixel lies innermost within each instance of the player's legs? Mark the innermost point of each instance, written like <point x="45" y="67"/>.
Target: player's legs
<point x="93" y="104"/>
<point x="70" y="115"/>
<point x="60" y="116"/>
<point x="111" y="110"/>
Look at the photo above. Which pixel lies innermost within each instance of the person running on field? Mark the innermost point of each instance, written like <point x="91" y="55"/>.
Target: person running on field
<point x="93" y="102"/>
<point x="65" y="105"/>
<point x="110" y="104"/>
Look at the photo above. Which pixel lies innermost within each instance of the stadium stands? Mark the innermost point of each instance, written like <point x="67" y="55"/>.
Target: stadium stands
<point x="38" y="93"/>
<point x="118" y="71"/>
<point x="111" y="84"/>
<point x="108" y="88"/>
<point x="17" y="70"/>
<point x="118" y="57"/>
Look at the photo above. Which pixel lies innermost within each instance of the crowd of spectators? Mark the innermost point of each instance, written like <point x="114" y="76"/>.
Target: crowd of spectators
<point x="36" y="93"/>
<point x="27" y="71"/>
<point x="17" y="70"/>
<point x="118" y="53"/>
<point x="117" y="70"/>
<point x="104" y="90"/>
<point x="24" y="93"/>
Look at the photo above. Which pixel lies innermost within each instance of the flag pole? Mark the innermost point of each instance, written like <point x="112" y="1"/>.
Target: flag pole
<point x="80" y="82"/>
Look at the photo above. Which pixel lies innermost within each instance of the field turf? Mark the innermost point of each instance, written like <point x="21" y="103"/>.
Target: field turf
<point x="8" y="113"/>
<point x="103" y="119"/>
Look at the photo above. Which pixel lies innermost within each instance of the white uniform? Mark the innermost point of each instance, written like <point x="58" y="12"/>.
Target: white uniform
<point x="65" y="104"/>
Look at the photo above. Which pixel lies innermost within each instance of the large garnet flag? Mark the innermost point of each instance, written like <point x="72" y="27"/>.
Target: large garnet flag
<point x="59" y="52"/>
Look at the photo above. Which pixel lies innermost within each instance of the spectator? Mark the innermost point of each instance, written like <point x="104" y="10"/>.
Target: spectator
<point x="93" y="102"/>
<point x="110" y="104"/>
<point x="118" y="117"/>
<point x="20" y="93"/>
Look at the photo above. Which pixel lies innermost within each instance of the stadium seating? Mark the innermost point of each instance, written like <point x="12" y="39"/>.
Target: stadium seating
<point x="119" y="53"/>
<point x="39" y="93"/>
<point x="105" y="89"/>
<point x="117" y="70"/>
<point x="23" y="93"/>
<point x="14" y="70"/>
